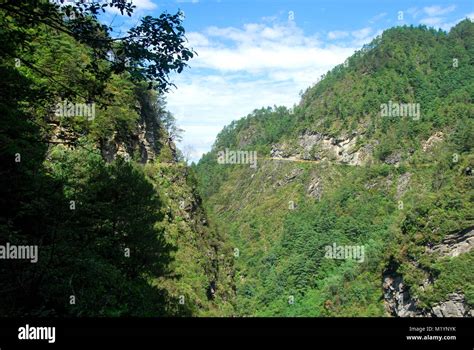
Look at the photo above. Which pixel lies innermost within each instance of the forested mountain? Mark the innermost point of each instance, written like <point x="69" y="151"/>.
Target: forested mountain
<point x="90" y="172"/>
<point x="377" y="155"/>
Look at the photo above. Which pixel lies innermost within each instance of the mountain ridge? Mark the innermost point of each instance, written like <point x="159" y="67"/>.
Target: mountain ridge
<point x="392" y="184"/>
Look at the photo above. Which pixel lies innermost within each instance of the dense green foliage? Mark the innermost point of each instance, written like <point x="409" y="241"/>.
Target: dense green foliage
<point x="118" y="219"/>
<point x="99" y="196"/>
<point x="395" y="210"/>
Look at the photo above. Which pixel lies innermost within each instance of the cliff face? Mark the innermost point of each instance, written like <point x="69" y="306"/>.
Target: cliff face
<point x="201" y="265"/>
<point x="144" y="142"/>
<point x="339" y="171"/>
<point x="398" y="300"/>
<point x="400" y="303"/>
<point x="317" y="146"/>
<point x="199" y="277"/>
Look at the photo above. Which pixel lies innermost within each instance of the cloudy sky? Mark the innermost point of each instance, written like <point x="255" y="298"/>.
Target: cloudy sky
<point x="257" y="53"/>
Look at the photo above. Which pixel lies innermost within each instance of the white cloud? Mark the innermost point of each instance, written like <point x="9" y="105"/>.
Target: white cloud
<point x="145" y="4"/>
<point x="430" y="11"/>
<point x="255" y="34"/>
<point x="414" y="11"/>
<point x="364" y="36"/>
<point x="432" y="21"/>
<point x="436" y="16"/>
<point x="434" y="11"/>
<point x="258" y="59"/>
<point x="337" y="34"/>
<point x="377" y="17"/>
<point x="361" y="33"/>
<point x="442" y="23"/>
<point x="140" y="7"/>
<point x="238" y="70"/>
<point x="197" y="39"/>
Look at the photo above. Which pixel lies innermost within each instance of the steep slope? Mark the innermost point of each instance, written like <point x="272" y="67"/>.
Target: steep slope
<point x="197" y="278"/>
<point x="372" y="165"/>
<point x="100" y="190"/>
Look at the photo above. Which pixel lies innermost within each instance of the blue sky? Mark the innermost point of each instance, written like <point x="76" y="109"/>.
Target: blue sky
<point x="260" y="53"/>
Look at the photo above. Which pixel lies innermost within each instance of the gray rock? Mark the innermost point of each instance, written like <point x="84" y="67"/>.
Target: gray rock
<point x="398" y="301"/>
<point x="315" y="188"/>
<point x="289" y="177"/>
<point x="402" y="185"/>
<point x="278" y="151"/>
<point x="393" y="159"/>
<point x="317" y="146"/>
<point x="455" y="306"/>
<point x="455" y="244"/>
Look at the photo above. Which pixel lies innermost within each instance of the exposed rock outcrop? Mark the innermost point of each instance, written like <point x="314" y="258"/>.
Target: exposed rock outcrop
<point x="144" y="142"/>
<point x="289" y="177"/>
<point x="315" y="188"/>
<point x="398" y="301"/>
<point x="454" y="306"/>
<point x="279" y="151"/>
<point x="432" y="141"/>
<point x="393" y="159"/>
<point x="455" y="244"/>
<point x="317" y="146"/>
<point x="402" y="185"/>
